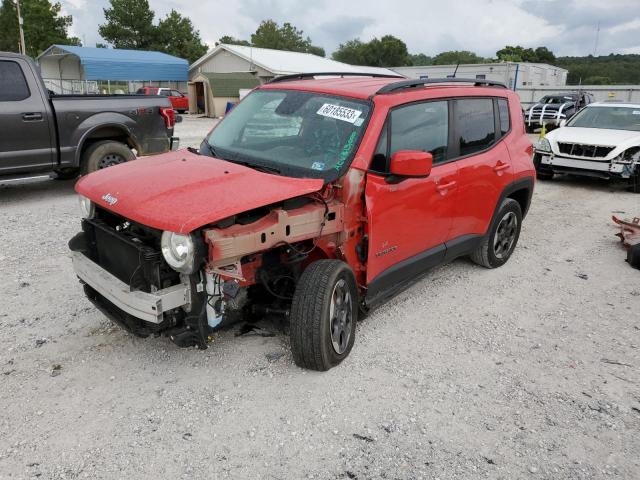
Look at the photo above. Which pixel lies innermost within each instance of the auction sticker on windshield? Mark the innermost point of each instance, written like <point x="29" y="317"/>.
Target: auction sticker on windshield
<point x="339" y="113"/>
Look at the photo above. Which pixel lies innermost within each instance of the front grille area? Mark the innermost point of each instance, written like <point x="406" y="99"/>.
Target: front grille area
<point x="588" y="151"/>
<point x="132" y="256"/>
<point x="547" y="114"/>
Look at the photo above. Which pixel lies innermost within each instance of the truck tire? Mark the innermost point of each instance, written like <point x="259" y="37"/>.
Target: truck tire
<point x="499" y="243"/>
<point x="324" y="313"/>
<point x="103" y="154"/>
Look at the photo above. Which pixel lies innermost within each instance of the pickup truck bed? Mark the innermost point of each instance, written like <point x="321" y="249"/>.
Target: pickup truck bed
<point x="52" y="133"/>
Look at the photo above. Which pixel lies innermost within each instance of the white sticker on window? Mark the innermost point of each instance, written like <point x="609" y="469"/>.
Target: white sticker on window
<point x="358" y="122"/>
<point x="339" y="113"/>
<point x="317" y="166"/>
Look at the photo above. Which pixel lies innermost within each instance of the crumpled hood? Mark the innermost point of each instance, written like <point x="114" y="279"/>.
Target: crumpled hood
<point x="181" y="191"/>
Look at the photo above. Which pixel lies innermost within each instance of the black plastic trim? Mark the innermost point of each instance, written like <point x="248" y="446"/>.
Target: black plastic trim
<point x="412" y="83"/>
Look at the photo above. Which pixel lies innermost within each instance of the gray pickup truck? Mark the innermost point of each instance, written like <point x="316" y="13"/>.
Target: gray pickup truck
<point x="43" y="134"/>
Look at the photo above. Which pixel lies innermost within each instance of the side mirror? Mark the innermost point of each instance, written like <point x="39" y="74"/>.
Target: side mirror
<point x="411" y="164"/>
<point x="563" y="122"/>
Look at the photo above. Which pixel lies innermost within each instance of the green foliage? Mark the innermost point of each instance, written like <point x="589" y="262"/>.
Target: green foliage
<point x="521" y="54"/>
<point x="270" y="34"/>
<point x="454" y="57"/>
<point x="606" y="69"/>
<point x="229" y="40"/>
<point x="129" y="24"/>
<point x="43" y="26"/>
<point x="286" y="37"/>
<point x="388" y="51"/>
<point x="419" y="59"/>
<point x="176" y="36"/>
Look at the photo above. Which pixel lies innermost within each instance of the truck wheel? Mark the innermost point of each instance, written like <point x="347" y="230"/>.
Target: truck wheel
<point x="105" y="154"/>
<point x="324" y="312"/>
<point x="499" y="243"/>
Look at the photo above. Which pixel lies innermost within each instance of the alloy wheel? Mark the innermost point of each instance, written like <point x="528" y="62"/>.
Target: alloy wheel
<point x="505" y="235"/>
<point x="340" y="316"/>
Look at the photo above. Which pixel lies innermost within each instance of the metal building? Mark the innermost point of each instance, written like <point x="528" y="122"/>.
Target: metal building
<point x="68" y="69"/>
<point x="513" y="74"/>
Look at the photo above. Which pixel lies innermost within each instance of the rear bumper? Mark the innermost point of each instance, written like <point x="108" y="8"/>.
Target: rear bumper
<point x="148" y="307"/>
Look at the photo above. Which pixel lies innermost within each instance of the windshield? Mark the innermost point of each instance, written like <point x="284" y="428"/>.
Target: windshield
<point x="556" y="100"/>
<point x="615" y="118"/>
<point x="300" y="134"/>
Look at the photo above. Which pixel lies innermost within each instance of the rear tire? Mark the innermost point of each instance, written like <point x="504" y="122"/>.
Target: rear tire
<point x="498" y="245"/>
<point x="105" y="154"/>
<point x="324" y="313"/>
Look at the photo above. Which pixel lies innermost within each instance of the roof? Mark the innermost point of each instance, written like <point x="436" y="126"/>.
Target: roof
<point x="281" y="62"/>
<point x="119" y="64"/>
<point x="229" y="84"/>
<point x="366" y="87"/>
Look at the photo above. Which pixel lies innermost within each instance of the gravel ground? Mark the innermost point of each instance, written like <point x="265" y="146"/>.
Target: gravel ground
<point x="528" y="371"/>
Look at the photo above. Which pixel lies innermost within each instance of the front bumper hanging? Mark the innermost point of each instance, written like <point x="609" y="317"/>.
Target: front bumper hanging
<point x="149" y="307"/>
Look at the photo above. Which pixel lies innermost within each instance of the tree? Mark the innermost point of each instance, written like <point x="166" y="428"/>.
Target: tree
<point x="176" y="36"/>
<point x="544" y="55"/>
<point x="286" y="37"/>
<point x="454" y="57"/>
<point x="129" y="24"/>
<point x="229" y="40"/>
<point x="351" y="52"/>
<point x="419" y="59"/>
<point x="388" y="51"/>
<point x="43" y="26"/>
<point x="316" y="51"/>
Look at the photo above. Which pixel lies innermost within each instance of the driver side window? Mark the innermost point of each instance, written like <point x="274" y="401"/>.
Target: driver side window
<point x="419" y="126"/>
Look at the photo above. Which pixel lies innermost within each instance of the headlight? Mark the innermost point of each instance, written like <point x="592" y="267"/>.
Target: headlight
<point x="543" y="145"/>
<point x="87" y="206"/>
<point x="179" y="251"/>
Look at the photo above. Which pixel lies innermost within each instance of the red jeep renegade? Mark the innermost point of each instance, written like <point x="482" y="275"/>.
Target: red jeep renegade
<point x="314" y="199"/>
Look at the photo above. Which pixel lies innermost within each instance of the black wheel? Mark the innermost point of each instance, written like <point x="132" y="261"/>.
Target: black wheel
<point x="67" y="173"/>
<point x="181" y="112"/>
<point x="105" y="154"/>
<point x="324" y="312"/>
<point x="498" y="245"/>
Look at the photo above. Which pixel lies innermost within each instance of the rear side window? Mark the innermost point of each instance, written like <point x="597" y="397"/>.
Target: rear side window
<point x="475" y="125"/>
<point x="13" y="85"/>
<point x="421" y="126"/>
<point x="503" y="109"/>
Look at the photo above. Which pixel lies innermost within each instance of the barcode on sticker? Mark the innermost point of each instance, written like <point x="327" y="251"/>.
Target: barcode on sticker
<point x="339" y="113"/>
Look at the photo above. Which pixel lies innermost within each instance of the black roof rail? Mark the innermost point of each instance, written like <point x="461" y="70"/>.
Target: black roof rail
<point x="412" y="83"/>
<point x="307" y="76"/>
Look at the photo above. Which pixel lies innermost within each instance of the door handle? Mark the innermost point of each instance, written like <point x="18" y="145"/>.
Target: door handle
<point x="500" y="167"/>
<point x="32" y="117"/>
<point x="445" y="186"/>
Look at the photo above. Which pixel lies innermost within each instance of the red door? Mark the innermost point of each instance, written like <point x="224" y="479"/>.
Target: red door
<point x="484" y="165"/>
<point x="409" y="221"/>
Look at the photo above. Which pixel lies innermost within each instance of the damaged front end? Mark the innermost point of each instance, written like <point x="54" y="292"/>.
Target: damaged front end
<point x="187" y="286"/>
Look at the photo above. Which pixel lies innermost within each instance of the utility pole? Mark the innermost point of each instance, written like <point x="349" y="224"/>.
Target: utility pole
<point x="23" y="48"/>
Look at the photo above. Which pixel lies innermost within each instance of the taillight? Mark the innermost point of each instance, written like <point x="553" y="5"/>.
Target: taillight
<point x="169" y="116"/>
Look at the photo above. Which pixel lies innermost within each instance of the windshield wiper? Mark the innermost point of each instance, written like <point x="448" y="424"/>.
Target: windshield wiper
<point x="260" y="168"/>
<point x="212" y="150"/>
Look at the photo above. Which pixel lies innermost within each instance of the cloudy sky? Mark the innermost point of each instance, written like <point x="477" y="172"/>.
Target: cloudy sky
<point x="567" y="27"/>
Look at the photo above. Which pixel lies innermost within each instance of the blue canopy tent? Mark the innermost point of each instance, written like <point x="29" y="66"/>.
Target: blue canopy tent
<point x="69" y="63"/>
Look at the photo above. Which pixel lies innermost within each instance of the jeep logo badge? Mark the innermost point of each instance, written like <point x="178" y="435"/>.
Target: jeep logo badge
<point x="110" y="199"/>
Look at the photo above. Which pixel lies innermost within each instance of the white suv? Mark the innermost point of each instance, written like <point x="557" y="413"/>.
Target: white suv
<point x="602" y="140"/>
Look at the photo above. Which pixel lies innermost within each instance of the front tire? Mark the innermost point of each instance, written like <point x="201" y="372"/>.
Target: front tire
<point x="498" y="245"/>
<point x="324" y="312"/>
<point x="105" y="154"/>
